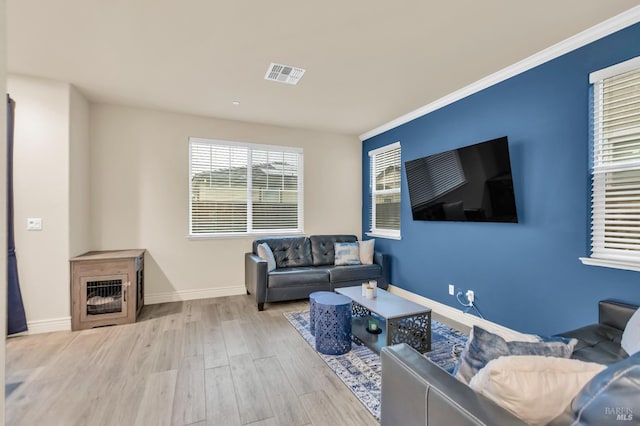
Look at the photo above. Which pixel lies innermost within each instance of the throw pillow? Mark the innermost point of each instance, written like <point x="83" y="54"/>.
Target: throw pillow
<point x="631" y="335"/>
<point x="265" y="253"/>
<point x="507" y="334"/>
<point x="534" y="388"/>
<point x="366" y="251"/>
<point x="347" y="254"/>
<point x="486" y="346"/>
<point x="611" y="397"/>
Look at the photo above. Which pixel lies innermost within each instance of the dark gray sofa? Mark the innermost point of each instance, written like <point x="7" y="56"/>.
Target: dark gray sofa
<point x="416" y="391"/>
<point x="304" y="265"/>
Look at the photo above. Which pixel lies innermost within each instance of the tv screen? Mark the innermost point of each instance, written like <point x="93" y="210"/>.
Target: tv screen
<point x="471" y="184"/>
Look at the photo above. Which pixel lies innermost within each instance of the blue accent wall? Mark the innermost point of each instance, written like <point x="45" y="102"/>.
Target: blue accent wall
<point x="526" y="276"/>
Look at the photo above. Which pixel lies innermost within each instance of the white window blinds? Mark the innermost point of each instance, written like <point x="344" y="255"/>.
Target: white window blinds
<point x="241" y="188"/>
<point x="434" y="176"/>
<point x="385" y="181"/>
<point x="615" y="238"/>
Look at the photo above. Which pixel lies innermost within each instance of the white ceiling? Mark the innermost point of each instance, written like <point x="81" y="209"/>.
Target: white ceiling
<point x="367" y="61"/>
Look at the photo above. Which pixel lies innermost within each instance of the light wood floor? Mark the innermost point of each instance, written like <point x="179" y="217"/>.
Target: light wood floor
<point x="203" y="362"/>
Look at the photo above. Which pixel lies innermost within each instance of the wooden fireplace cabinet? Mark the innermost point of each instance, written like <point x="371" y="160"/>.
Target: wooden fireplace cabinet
<point x="107" y="288"/>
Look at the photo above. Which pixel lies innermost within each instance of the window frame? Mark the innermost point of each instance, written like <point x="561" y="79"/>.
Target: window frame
<point x="601" y="255"/>
<point x="250" y="231"/>
<point x="394" y="234"/>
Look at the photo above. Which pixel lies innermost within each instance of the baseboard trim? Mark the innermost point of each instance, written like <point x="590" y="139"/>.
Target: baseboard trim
<point x="453" y="313"/>
<point x="48" y="326"/>
<point x="205" y="293"/>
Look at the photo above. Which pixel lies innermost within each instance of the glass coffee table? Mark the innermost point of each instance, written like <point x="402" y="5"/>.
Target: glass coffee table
<point x="400" y="320"/>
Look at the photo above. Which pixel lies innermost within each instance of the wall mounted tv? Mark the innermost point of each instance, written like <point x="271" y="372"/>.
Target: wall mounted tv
<point x="471" y="184"/>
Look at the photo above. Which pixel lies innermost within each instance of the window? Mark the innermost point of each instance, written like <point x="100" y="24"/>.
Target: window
<point x="385" y="191"/>
<point x="239" y="188"/>
<point x="615" y="232"/>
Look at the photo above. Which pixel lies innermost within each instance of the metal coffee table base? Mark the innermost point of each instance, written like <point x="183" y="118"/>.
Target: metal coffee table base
<point x="414" y="330"/>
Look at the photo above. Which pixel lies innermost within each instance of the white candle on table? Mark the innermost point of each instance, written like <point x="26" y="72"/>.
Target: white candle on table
<point x="374" y="284"/>
<point x="369" y="293"/>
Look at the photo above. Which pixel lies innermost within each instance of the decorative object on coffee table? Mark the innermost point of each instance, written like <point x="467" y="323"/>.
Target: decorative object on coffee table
<point x="374" y="327"/>
<point x="312" y="309"/>
<point x="333" y="324"/>
<point x="401" y="320"/>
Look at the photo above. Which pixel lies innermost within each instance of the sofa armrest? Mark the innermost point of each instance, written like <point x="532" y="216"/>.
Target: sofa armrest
<point x="256" y="277"/>
<point x="384" y="261"/>
<point x="615" y="313"/>
<point x="415" y="391"/>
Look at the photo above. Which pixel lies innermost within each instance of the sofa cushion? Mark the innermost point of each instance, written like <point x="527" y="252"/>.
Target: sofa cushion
<point x="288" y="251"/>
<point x="299" y="276"/>
<point x="322" y="247"/>
<point x="597" y="343"/>
<point x="354" y="273"/>
<point x="486" y="346"/>
<point x="534" y="388"/>
<point x="615" y="313"/>
<point x="611" y="397"/>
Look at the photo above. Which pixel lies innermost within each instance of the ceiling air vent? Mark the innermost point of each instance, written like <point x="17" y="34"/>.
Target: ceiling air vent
<point x="284" y="73"/>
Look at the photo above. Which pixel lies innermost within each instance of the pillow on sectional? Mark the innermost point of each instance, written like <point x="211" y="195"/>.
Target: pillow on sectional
<point x="610" y="398"/>
<point x="486" y="346"/>
<point x="347" y="253"/>
<point x="506" y="334"/>
<point x="534" y="388"/>
<point x="366" y="251"/>
<point x="265" y="253"/>
<point x="631" y="335"/>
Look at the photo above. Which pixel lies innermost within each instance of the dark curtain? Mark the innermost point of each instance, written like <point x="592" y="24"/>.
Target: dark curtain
<point x="16" y="318"/>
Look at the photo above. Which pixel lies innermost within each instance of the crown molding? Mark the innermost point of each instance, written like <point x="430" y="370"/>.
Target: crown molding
<point x="577" y="41"/>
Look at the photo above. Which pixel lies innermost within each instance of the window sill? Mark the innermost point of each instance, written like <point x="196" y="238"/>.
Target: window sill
<point x="616" y="264"/>
<point x="378" y="235"/>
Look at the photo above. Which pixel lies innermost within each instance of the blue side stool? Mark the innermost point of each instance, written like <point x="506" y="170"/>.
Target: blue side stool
<point x="333" y="324"/>
<point x="312" y="309"/>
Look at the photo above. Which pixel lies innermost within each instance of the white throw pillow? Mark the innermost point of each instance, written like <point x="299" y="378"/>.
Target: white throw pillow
<point x="265" y="253"/>
<point x="631" y="335"/>
<point x="534" y="388"/>
<point x="366" y="251"/>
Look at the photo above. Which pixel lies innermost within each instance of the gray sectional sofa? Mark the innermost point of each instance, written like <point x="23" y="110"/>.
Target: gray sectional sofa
<point x="415" y="391"/>
<point x="304" y="265"/>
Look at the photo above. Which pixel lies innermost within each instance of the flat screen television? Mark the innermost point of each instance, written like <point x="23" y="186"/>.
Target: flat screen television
<point x="472" y="184"/>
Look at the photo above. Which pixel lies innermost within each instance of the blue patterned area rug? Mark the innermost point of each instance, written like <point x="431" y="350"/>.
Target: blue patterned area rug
<point x="360" y="369"/>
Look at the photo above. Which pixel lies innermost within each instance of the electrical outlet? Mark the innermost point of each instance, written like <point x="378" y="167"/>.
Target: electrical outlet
<point x="452" y="289"/>
<point x="470" y="296"/>
<point x="34" y="224"/>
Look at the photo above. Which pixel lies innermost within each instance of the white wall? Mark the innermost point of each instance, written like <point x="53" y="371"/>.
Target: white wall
<point x="45" y="143"/>
<point x="109" y="177"/>
<point x="140" y="184"/>
<point x="3" y="209"/>
<point x="79" y="175"/>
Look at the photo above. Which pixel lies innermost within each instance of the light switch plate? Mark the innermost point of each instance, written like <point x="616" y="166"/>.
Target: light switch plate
<point x="34" y="224"/>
